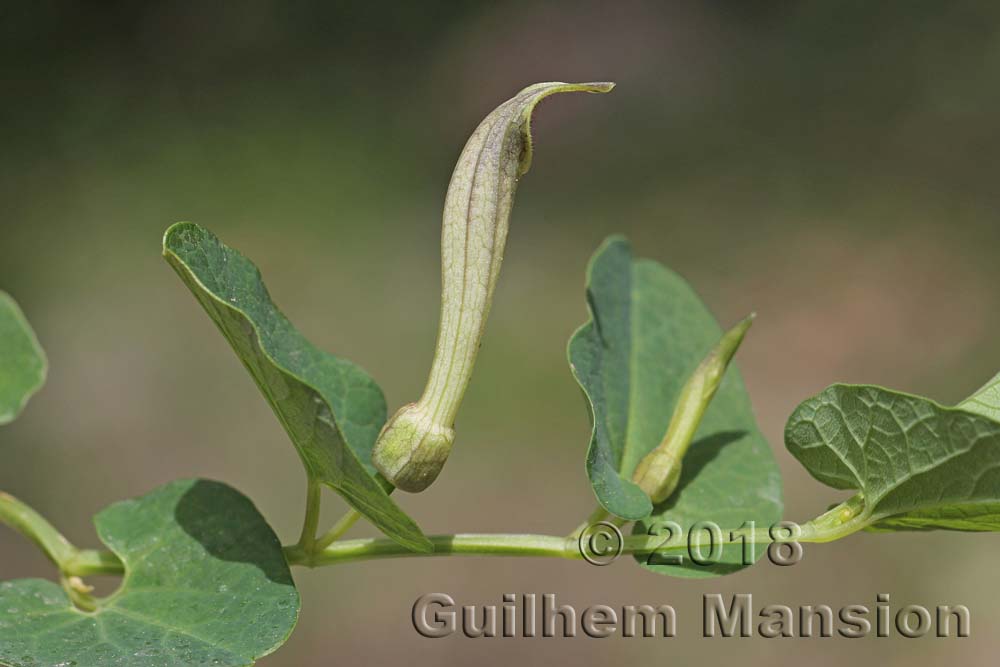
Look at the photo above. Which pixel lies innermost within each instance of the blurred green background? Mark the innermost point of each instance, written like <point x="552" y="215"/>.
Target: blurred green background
<point x="831" y="165"/>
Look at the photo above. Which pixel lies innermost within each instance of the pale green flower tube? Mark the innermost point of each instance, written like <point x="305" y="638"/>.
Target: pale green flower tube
<point x="416" y="441"/>
<point x="659" y="471"/>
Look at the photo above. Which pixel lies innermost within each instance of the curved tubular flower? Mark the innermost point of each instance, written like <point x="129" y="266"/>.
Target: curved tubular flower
<point x="416" y="441"/>
<point x="659" y="471"/>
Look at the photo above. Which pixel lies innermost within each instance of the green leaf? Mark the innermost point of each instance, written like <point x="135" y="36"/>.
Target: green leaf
<point x="648" y="332"/>
<point x="331" y="409"/>
<point x="986" y="401"/>
<point x="22" y="360"/>
<point x="916" y="464"/>
<point x="206" y="583"/>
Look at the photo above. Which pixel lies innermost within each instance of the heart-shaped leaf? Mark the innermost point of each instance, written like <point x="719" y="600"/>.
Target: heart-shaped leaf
<point x="206" y="583"/>
<point x="648" y="332"/>
<point x="331" y="409"/>
<point x="22" y="361"/>
<point x="916" y="464"/>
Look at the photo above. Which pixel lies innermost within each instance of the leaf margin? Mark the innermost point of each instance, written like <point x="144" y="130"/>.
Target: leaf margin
<point x="405" y="531"/>
<point x="9" y="307"/>
<point x="857" y="513"/>
<point x="120" y="606"/>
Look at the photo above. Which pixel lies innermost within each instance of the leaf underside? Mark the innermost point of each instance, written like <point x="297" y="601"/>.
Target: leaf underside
<point x="206" y="584"/>
<point x="331" y="409"/>
<point x="918" y="465"/>
<point x="986" y="401"/>
<point x="22" y="361"/>
<point x="648" y="332"/>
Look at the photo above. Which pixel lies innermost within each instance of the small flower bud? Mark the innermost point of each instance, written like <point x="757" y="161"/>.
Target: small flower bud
<point x="416" y="441"/>
<point x="659" y="471"/>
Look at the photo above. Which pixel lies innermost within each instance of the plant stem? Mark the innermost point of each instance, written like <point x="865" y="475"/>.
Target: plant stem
<point x="598" y="515"/>
<point x="88" y="562"/>
<point x="310" y="525"/>
<point x="73" y="562"/>
<point x="477" y="544"/>
<point x="342" y="526"/>
<point x="471" y="544"/>
<point x="444" y="545"/>
<point x="33" y="525"/>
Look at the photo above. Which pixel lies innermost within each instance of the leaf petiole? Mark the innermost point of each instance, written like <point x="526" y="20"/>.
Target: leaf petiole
<point x="36" y="528"/>
<point x="342" y="526"/>
<point x="310" y="524"/>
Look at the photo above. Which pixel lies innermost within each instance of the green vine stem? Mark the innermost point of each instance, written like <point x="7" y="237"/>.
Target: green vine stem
<point x="89" y="562"/>
<point x="342" y="526"/>
<point x="33" y="525"/>
<point x="310" y="524"/>
<point x="467" y="544"/>
<point x="73" y="562"/>
<point x="598" y="515"/>
<point x="309" y="542"/>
